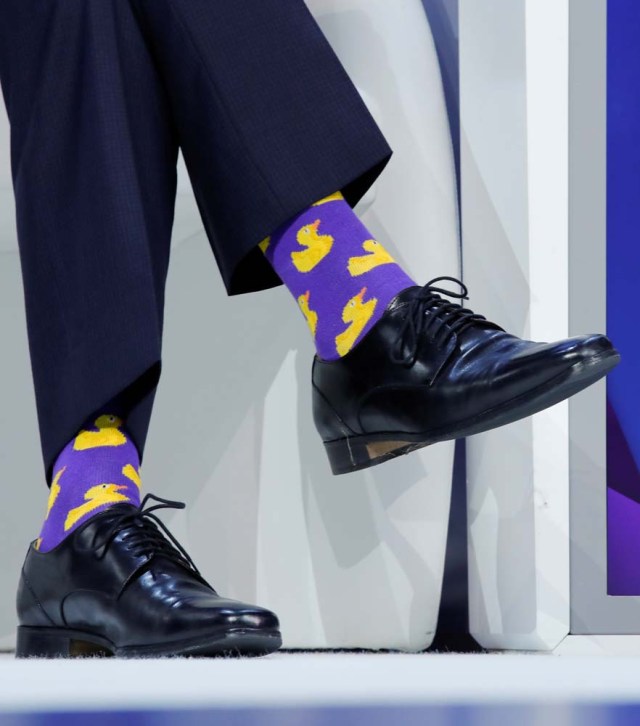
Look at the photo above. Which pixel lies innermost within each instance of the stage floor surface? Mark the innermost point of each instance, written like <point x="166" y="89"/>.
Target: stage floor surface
<point x="317" y="688"/>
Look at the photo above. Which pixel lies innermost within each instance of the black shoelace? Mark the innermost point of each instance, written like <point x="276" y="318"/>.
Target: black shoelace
<point x="147" y="534"/>
<point x="431" y="316"/>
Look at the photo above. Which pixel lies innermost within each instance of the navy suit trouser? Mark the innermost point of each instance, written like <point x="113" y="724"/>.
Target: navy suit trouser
<point x="101" y="94"/>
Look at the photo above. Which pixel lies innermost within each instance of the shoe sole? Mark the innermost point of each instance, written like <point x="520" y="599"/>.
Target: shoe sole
<point x="361" y="452"/>
<point x="65" y="643"/>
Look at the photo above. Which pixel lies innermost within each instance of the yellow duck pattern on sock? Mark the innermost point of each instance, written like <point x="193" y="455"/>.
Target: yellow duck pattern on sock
<point x="324" y="254"/>
<point x="95" y="497"/>
<point x="335" y="197"/>
<point x="108" y="434"/>
<point x="356" y="314"/>
<point x="377" y="255"/>
<point x="96" y="468"/>
<point x="133" y="474"/>
<point x="55" y="491"/>
<point x="317" y="247"/>
<point x="311" y="316"/>
<point x="264" y="244"/>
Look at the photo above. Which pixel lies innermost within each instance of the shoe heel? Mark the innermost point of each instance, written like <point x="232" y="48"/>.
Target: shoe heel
<point x="354" y="453"/>
<point x="42" y="643"/>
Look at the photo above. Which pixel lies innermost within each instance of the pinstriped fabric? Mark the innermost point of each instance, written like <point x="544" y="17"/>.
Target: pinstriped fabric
<point x="100" y="97"/>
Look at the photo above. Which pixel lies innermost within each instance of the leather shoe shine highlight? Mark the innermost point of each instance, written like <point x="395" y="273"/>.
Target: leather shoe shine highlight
<point x="431" y="370"/>
<point x="122" y="585"/>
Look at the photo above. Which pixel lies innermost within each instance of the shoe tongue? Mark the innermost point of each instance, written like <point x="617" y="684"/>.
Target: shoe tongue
<point x="411" y="293"/>
<point x="112" y="512"/>
<point x="106" y="515"/>
<point x="403" y="297"/>
<point x="98" y="523"/>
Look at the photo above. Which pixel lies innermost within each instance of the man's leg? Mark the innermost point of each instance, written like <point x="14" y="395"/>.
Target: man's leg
<point x="93" y="161"/>
<point x="272" y="129"/>
<point x="94" y="168"/>
<point x="267" y="118"/>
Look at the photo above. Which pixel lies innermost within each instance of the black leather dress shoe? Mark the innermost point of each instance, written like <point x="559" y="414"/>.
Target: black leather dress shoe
<point x="118" y="586"/>
<point x="431" y="370"/>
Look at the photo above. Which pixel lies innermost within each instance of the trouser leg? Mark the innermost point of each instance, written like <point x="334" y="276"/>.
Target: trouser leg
<point x="268" y="120"/>
<point x="93" y="160"/>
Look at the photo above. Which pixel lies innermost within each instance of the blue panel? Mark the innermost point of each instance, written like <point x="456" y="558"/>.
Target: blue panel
<point x="623" y="269"/>
<point x="467" y="715"/>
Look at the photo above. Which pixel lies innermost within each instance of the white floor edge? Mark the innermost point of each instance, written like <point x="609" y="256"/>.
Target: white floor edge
<point x="314" y="679"/>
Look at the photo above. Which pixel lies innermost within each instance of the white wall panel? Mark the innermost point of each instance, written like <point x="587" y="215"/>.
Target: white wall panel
<point x="514" y="156"/>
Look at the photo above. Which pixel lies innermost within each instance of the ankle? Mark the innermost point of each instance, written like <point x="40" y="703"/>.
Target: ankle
<point x="98" y="468"/>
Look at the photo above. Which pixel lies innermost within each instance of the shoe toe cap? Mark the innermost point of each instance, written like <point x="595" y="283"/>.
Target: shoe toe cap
<point x="236" y="614"/>
<point x="559" y="353"/>
<point x="586" y="346"/>
<point x="203" y="619"/>
<point x="253" y="618"/>
<point x="524" y="366"/>
<point x="580" y="349"/>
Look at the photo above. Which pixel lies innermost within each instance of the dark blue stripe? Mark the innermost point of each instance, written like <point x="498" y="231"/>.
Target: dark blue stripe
<point x="623" y="268"/>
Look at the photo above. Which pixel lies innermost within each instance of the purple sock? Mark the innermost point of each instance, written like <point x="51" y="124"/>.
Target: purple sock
<point x="98" y="468"/>
<point x="341" y="277"/>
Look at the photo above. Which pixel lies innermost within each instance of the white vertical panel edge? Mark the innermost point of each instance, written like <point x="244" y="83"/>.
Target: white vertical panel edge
<point x="547" y="39"/>
<point x="514" y="158"/>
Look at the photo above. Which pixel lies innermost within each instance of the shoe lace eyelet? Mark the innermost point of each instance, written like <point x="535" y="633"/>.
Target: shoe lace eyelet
<point x="432" y="320"/>
<point x="147" y="535"/>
